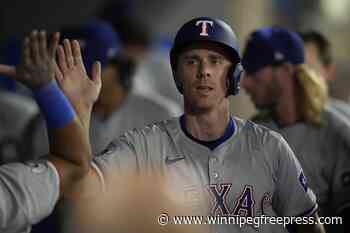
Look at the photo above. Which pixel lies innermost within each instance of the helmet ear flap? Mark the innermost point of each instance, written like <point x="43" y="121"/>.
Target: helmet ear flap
<point x="234" y="76"/>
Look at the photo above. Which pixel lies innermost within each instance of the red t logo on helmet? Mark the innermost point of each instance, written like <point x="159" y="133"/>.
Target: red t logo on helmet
<point x="204" y="26"/>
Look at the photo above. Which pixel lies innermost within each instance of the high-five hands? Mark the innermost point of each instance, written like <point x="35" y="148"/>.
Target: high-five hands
<point x="81" y="90"/>
<point x="37" y="66"/>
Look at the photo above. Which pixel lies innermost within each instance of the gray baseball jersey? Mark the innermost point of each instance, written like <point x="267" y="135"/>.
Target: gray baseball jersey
<point x="136" y="112"/>
<point x="324" y="155"/>
<point x="252" y="173"/>
<point x="340" y="106"/>
<point x="28" y="193"/>
<point x="16" y="111"/>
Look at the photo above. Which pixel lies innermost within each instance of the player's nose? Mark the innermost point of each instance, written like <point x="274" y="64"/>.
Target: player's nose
<point x="204" y="70"/>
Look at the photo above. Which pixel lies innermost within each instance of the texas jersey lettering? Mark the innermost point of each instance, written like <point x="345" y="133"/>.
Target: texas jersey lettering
<point x="252" y="173"/>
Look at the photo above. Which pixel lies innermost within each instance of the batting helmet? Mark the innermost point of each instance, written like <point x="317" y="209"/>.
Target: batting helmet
<point x="211" y="30"/>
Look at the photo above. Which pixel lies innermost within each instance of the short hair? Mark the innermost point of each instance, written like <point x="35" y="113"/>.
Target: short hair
<point x="322" y="44"/>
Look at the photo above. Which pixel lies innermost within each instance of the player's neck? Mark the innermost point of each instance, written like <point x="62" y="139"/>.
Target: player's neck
<point x="287" y="109"/>
<point x="208" y="126"/>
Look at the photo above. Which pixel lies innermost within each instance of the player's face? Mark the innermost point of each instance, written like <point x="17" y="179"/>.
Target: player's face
<point x="202" y="71"/>
<point x="262" y="87"/>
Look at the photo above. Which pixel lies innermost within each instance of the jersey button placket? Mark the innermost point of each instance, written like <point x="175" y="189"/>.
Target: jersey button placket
<point x="214" y="170"/>
<point x="215" y="175"/>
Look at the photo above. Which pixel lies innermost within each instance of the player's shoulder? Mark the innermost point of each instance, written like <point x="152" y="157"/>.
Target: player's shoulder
<point x="262" y="117"/>
<point x="160" y="129"/>
<point x="257" y="135"/>
<point x="339" y="106"/>
<point x="336" y="124"/>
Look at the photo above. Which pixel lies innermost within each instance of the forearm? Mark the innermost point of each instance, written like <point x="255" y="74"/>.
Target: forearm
<point x="68" y="134"/>
<point x="71" y="143"/>
<point x="71" y="155"/>
<point x="75" y="184"/>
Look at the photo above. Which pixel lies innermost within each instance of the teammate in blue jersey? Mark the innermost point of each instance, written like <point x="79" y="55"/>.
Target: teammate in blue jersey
<point x="244" y="169"/>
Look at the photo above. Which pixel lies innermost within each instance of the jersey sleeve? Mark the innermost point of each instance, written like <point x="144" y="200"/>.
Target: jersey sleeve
<point x="341" y="178"/>
<point x="119" y="157"/>
<point x="28" y="193"/>
<point x="292" y="195"/>
<point x="135" y="151"/>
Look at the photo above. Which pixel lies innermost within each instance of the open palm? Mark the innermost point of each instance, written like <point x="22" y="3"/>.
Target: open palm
<point x="81" y="90"/>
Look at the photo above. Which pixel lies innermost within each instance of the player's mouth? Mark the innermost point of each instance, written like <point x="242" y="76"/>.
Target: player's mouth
<point x="204" y="88"/>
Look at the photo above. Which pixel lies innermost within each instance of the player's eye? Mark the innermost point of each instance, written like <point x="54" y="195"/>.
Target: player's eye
<point x="216" y="60"/>
<point x="191" y="61"/>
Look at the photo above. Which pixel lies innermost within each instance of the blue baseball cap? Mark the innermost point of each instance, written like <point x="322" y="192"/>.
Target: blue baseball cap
<point x="271" y="46"/>
<point x="98" y="41"/>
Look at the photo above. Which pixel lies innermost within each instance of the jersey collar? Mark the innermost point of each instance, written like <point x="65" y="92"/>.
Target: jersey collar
<point x="230" y="130"/>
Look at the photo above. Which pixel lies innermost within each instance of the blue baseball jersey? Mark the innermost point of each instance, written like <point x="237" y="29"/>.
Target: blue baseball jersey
<point x="252" y="173"/>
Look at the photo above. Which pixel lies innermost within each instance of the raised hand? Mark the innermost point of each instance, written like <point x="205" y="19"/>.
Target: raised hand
<point x="37" y="66"/>
<point x="81" y="90"/>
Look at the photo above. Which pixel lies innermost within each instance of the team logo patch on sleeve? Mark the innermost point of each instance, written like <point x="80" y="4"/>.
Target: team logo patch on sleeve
<point x="303" y="181"/>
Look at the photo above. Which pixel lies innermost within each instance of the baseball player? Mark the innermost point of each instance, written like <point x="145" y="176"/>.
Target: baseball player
<point x="245" y="169"/>
<point x="152" y="69"/>
<point x="30" y="191"/>
<point x="292" y="100"/>
<point x="318" y="55"/>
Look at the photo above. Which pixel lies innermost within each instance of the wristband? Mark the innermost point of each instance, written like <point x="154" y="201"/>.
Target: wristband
<point x="55" y="106"/>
